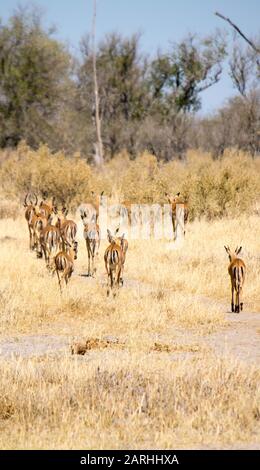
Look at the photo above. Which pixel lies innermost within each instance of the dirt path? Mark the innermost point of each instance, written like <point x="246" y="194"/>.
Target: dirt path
<point x="241" y="339"/>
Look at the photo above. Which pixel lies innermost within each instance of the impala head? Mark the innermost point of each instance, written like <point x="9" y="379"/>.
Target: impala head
<point x="58" y="215"/>
<point x="115" y="238"/>
<point x="232" y="255"/>
<point x="72" y="249"/>
<point x="30" y="200"/>
<point x="173" y="199"/>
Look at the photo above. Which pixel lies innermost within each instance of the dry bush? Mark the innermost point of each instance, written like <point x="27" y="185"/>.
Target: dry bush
<point x="212" y="188"/>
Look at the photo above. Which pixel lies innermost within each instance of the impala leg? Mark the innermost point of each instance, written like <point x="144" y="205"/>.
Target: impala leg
<point x="109" y="282"/>
<point x="88" y="258"/>
<point x="237" y="302"/>
<point x="45" y="254"/>
<point x="236" y="307"/>
<point x="232" y="299"/>
<point x="173" y="227"/>
<point x="93" y="259"/>
<point x="117" y="281"/>
<point x="38" y="249"/>
<point x="121" y="280"/>
<point x="30" y="238"/>
<point x="93" y="265"/>
<point x="241" y="303"/>
<point x="59" y="280"/>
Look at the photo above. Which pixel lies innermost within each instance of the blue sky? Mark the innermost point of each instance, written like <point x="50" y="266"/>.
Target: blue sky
<point x="159" y="21"/>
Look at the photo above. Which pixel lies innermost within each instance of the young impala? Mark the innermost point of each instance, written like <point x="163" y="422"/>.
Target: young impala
<point x="30" y="204"/>
<point x="121" y="241"/>
<point x="173" y="201"/>
<point x="237" y="271"/>
<point x="92" y="236"/>
<point x="64" y="262"/>
<point x="114" y="260"/>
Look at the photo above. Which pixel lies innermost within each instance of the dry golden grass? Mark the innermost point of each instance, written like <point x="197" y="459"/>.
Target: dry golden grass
<point x="158" y="384"/>
<point x="142" y="401"/>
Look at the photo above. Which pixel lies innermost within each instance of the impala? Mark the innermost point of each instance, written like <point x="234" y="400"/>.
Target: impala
<point x="29" y="213"/>
<point x="123" y="243"/>
<point x="39" y="223"/>
<point x="64" y="262"/>
<point x="46" y="208"/>
<point x="173" y="201"/>
<point x="92" y="236"/>
<point x="114" y="260"/>
<point x="237" y="272"/>
<point x="51" y="240"/>
<point x="68" y="230"/>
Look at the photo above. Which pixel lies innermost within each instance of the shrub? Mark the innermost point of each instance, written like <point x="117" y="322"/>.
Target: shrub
<point x="213" y="188"/>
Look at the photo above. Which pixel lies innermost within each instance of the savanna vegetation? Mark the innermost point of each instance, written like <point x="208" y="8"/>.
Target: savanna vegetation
<point x="147" y="103"/>
<point x="167" y="365"/>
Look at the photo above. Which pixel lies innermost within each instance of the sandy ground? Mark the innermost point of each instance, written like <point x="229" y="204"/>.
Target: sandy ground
<point x="240" y="339"/>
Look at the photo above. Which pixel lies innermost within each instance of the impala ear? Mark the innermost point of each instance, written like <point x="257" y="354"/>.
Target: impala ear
<point x="101" y="194"/>
<point x="109" y="236"/>
<point x="168" y="197"/>
<point x="178" y="194"/>
<point x="55" y="210"/>
<point x="122" y="238"/>
<point x="238" y="250"/>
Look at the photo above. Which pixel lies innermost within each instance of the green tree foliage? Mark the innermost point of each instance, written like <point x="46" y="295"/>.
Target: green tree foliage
<point x="34" y="81"/>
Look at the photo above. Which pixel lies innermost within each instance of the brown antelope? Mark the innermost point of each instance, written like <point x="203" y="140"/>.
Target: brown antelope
<point x="50" y="236"/>
<point x="173" y="201"/>
<point x="68" y="228"/>
<point x="29" y="213"/>
<point x="92" y="236"/>
<point x="114" y="259"/>
<point x="39" y="223"/>
<point x="64" y="262"/>
<point x="123" y="243"/>
<point x="237" y="271"/>
<point x="46" y="209"/>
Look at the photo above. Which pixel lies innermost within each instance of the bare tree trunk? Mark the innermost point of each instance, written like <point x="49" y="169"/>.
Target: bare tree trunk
<point x="99" y="156"/>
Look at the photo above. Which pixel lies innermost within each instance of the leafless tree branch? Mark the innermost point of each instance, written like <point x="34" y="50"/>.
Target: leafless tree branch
<point x="256" y="49"/>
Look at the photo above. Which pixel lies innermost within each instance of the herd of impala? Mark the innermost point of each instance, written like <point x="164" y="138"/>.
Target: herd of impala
<point x="53" y="236"/>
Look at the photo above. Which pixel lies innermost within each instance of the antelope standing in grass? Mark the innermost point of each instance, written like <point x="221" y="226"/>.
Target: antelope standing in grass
<point x="46" y="209"/>
<point x="92" y="236"/>
<point x="68" y="228"/>
<point x="173" y="201"/>
<point x="64" y="262"/>
<point x="114" y="260"/>
<point x="123" y="243"/>
<point x="51" y="240"/>
<point x="237" y="271"/>
<point x="39" y="223"/>
<point x="30" y="210"/>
